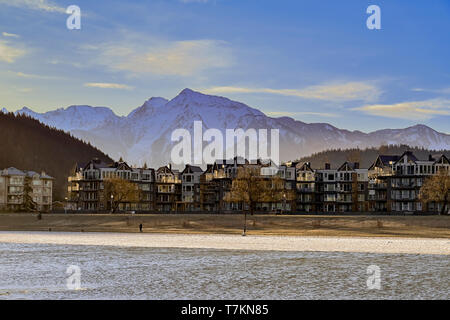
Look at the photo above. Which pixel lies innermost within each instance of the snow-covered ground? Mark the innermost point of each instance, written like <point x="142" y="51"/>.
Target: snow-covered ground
<point x="233" y="242"/>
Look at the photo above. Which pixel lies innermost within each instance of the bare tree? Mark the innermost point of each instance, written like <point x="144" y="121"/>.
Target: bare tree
<point x="119" y="191"/>
<point x="437" y="189"/>
<point x="250" y="187"/>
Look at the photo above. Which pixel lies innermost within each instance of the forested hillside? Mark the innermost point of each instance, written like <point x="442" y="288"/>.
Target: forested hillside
<point x="367" y="156"/>
<point x="27" y="144"/>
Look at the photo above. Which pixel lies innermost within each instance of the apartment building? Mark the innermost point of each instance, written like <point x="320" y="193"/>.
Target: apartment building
<point x="190" y="188"/>
<point x="391" y="184"/>
<point x="87" y="191"/>
<point x="395" y="182"/>
<point x="168" y="190"/>
<point x="305" y="187"/>
<point x="214" y="183"/>
<point x="25" y="190"/>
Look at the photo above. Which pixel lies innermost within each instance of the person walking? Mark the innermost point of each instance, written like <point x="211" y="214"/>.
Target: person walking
<point x="140" y="227"/>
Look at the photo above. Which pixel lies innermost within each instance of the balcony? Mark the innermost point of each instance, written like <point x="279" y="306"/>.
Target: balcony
<point x="377" y="198"/>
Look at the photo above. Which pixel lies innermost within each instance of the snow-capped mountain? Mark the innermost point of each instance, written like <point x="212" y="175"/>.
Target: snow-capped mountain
<point x="145" y="134"/>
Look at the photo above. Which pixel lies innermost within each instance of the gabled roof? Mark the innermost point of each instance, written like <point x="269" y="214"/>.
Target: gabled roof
<point x="442" y="159"/>
<point x="13" y="172"/>
<point x="97" y="164"/>
<point x="164" y="169"/>
<point x="387" y="159"/>
<point x="347" y="166"/>
<point x="46" y="176"/>
<point x="409" y="155"/>
<point x="306" y="167"/>
<point x="32" y="173"/>
<point x="383" y="161"/>
<point x="122" y="166"/>
<point x="16" y="172"/>
<point x="191" y="169"/>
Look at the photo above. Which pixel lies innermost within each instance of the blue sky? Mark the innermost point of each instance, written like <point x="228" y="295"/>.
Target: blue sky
<point x="315" y="61"/>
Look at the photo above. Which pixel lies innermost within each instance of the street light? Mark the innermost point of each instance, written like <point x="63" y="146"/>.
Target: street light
<point x="65" y="205"/>
<point x="112" y="198"/>
<point x="284" y="202"/>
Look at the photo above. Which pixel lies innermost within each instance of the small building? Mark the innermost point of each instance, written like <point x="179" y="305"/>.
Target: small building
<point x="25" y="190"/>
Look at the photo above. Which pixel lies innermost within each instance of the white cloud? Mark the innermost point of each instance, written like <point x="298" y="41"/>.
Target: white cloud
<point x="180" y="58"/>
<point x="332" y="92"/>
<point x="31" y="76"/>
<point x="41" y="5"/>
<point x="440" y="91"/>
<point x="413" y="110"/>
<point x="104" y="85"/>
<point x="8" y="53"/>
<point x="11" y="35"/>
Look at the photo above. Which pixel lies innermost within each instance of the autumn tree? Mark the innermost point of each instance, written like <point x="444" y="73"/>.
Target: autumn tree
<point x="250" y="187"/>
<point x="120" y="191"/>
<point x="437" y="189"/>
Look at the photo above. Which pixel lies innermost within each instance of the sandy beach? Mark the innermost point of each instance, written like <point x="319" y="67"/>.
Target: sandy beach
<point x="235" y="242"/>
<point x="270" y="225"/>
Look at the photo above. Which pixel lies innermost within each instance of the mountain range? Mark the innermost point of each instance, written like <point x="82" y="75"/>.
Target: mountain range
<point x="144" y="135"/>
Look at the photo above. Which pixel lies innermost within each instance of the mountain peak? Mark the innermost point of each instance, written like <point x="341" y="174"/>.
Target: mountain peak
<point x="25" y="110"/>
<point x="187" y="91"/>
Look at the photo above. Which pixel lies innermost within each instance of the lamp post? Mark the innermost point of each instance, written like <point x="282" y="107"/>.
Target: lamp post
<point x="65" y="205"/>
<point x="284" y="202"/>
<point x="112" y="198"/>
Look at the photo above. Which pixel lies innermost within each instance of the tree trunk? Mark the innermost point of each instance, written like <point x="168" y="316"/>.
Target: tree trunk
<point x="444" y="206"/>
<point x="245" y="222"/>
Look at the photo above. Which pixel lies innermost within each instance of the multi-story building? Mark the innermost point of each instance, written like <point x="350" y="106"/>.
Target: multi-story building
<point x="306" y="187"/>
<point x="87" y="191"/>
<point x="395" y="182"/>
<point x="326" y="189"/>
<point x="19" y="187"/>
<point x="391" y="184"/>
<point x="214" y="183"/>
<point x="168" y="189"/>
<point x="351" y="188"/>
<point x="379" y="183"/>
<point x="190" y="188"/>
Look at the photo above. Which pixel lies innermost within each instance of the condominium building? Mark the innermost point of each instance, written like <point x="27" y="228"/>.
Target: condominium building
<point x="395" y="182"/>
<point x="190" y="188"/>
<point x="87" y="190"/>
<point x="391" y="184"/>
<point x="25" y="190"/>
<point x="168" y="189"/>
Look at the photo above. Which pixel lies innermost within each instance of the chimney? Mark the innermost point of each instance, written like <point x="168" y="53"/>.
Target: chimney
<point x="327" y="166"/>
<point x="356" y="165"/>
<point x="430" y="158"/>
<point x="169" y="166"/>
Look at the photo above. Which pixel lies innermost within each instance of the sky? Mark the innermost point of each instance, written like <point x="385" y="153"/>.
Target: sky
<point x="314" y="61"/>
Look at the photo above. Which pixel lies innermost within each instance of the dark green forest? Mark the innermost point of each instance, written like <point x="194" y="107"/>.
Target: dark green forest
<point x="365" y="157"/>
<point x="27" y="144"/>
